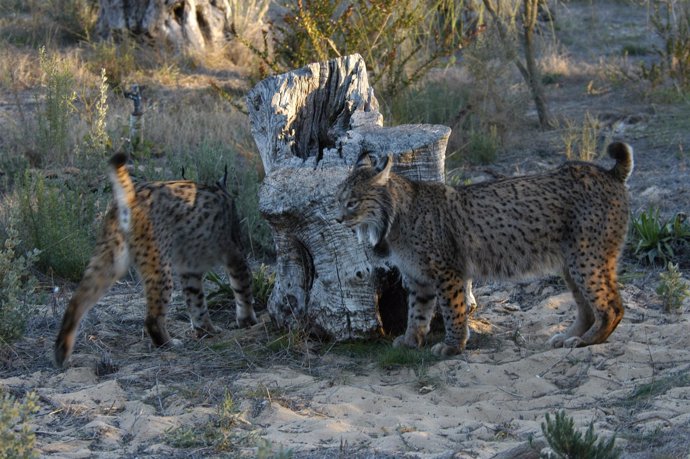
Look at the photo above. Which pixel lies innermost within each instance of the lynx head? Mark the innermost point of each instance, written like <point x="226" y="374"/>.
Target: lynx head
<point x="364" y="201"/>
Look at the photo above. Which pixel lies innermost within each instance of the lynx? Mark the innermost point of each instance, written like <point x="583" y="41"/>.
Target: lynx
<point x="158" y="226"/>
<point x="571" y="220"/>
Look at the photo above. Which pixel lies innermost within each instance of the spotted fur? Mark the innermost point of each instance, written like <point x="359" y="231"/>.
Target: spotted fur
<point x="159" y="226"/>
<point x="572" y="220"/>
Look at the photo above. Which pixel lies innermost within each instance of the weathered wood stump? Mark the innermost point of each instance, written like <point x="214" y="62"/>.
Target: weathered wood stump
<point x="196" y="25"/>
<point x="310" y="126"/>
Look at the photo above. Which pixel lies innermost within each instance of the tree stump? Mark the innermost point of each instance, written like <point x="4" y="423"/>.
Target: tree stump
<point x="310" y="126"/>
<point x="196" y="25"/>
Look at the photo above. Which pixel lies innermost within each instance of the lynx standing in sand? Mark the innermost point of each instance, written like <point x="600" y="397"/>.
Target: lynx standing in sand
<point x="158" y="226"/>
<point x="572" y="220"/>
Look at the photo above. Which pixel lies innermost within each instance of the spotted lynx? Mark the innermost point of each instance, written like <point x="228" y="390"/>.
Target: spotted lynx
<point x="158" y="226"/>
<point x="572" y="220"/>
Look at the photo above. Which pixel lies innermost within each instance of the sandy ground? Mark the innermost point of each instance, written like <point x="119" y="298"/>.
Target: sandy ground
<point x="262" y="393"/>
<point x="337" y="402"/>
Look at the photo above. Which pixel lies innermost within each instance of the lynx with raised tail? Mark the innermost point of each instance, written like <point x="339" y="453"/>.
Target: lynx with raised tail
<point x="572" y="220"/>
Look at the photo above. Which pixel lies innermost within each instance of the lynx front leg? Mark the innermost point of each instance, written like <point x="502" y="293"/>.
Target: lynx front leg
<point x="193" y="289"/>
<point x="453" y="303"/>
<point x="421" y="301"/>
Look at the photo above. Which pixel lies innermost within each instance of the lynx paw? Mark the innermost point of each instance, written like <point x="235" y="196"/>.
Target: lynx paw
<point x="404" y="341"/>
<point x="444" y="350"/>
<point x="248" y="321"/>
<point x="563" y="340"/>
<point x="207" y="330"/>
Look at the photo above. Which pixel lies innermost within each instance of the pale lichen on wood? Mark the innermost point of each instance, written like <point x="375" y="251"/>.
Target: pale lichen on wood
<point x="310" y="126"/>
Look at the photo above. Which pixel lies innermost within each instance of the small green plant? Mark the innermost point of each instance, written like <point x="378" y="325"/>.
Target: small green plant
<point x="581" y="141"/>
<point x="218" y="432"/>
<point x="58" y="220"/>
<point x="566" y="442"/>
<point x="16" y="286"/>
<point x="655" y="239"/>
<point x="266" y="450"/>
<point x="483" y="146"/>
<point x="94" y="112"/>
<point x="53" y="120"/>
<point x="672" y="289"/>
<point x="16" y="438"/>
<point x="403" y="356"/>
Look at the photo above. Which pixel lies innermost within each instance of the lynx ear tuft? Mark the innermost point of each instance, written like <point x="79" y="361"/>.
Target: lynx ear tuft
<point x="384" y="167"/>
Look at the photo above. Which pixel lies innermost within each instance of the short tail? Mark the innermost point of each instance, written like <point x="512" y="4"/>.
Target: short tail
<point x="623" y="154"/>
<point x="123" y="190"/>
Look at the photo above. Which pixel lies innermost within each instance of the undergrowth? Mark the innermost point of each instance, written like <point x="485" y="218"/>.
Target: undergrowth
<point x="568" y="443"/>
<point x="17" y="440"/>
<point x="17" y="285"/>
<point x="659" y="240"/>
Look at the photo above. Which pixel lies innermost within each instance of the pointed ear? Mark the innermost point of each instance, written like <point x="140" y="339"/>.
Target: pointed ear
<point x="364" y="160"/>
<point x="384" y="167"/>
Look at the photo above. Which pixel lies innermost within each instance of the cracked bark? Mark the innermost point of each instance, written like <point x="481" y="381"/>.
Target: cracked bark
<point x="310" y="126"/>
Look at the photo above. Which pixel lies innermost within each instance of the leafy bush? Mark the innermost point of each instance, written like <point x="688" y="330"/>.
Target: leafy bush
<point x="16" y="438"/>
<point x="16" y="286"/>
<point x="655" y="239"/>
<point x="54" y="115"/>
<point x="59" y="221"/>
<point x="671" y="21"/>
<point x="400" y="40"/>
<point x="672" y="288"/>
<point x="567" y="443"/>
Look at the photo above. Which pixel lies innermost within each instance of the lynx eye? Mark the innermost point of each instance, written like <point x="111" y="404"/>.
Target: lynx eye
<point x="351" y="204"/>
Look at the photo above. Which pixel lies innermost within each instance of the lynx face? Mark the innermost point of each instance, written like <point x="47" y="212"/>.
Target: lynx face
<point x="159" y="226"/>
<point x="572" y="221"/>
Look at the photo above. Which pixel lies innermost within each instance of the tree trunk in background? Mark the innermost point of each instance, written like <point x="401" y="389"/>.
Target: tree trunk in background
<point x="310" y="126"/>
<point x="195" y="25"/>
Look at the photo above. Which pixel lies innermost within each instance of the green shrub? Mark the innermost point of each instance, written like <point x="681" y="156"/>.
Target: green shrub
<point x="656" y="240"/>
<point x="399" y="40"/>
<point x="671" y="22"/>
<point x="58" y="219"/>
<point x="568" y="443"/>
<point x="53" y="141"/>
<point x="16" y="286"/>
<point x="16" y="438"/>
<point x="672" y="289"/>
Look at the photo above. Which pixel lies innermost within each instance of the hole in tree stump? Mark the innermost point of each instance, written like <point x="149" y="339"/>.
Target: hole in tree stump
<point x="392" y="301"/>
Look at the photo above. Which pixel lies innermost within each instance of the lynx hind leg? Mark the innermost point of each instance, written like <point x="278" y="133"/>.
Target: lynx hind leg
<point x="158" y="284"/>
<point x="108" y="263"/>
<point x="421" y="299"/>
<point x="193" y="289"/>
<point x="453" y="300"/>
<point x="241" y="283"/>
<point x="600" y="307"/>
<point x="584" y="319"/>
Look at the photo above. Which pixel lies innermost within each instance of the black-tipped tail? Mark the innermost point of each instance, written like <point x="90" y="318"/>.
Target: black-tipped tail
<point x="623" y="154"/>
<point x="118" y="160"/>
